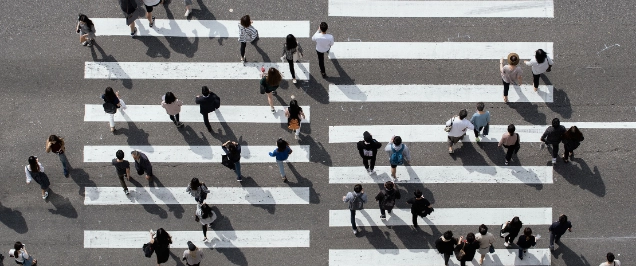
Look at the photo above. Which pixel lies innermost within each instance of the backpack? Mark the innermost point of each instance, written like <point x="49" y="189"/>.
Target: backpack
<point x="356" y="204"/>
<point x="388" y="202"/>
<point x="396" y="156"/>
<point x="109" y="108"/>
<point x="217" y="100"/>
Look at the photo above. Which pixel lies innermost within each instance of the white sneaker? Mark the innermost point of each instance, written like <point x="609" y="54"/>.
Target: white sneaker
<point x="46" y="195"/>
<point x="372" y="172"/>
<point x="187" y="13"/>
<point x="477" y="139"/>
<point x="282" y="59"/>
<point x="126" y="191"/>
<point x="506" y="244"/>
<point x="355" y="232"/>
<point x="553" y="160"/>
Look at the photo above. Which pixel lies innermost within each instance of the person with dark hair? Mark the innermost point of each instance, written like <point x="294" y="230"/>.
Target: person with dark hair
<point x="469" y="246"/>
<point x="112" y="102"/>
<point x="281" y="153"/>
<point x="485" y="239"/>
<point x="399" y="154"/>
<point x="459" y="124"/>
<point x="294" y="114"/>
<point x="233" y="151"/>
<point x="368" y="149"/>
<point x="247" y="33"/>
<point x="35" y="171"/>
<point x="386" y="198"/>
<point x="324" y="42"/>
<point x="511" y="227"/>
<point x="526" y="241"/>
<point x="86" y="30"/>
<point x="142" y="164"/>
<point x="553" y="136"/>
<point x="558" y="229"/>
<point x="445" y="245"/>
<point x="192" y="256"/>
<point x="540" y="64"/>
<point x="198" y="190"/>
<point x="55" y="144"/>
<point x="206" y="216"/>
<point x="480" y="120"/>
<point x="129" y="7"/>
<point x="419" y="207"/>
<point x="356" y="200"/>
<point x="173" y="107"/>
<point x="150" y="4"/>
<point x="511" y="141"/>
<point x="571" y="140"/>
<point x="208" y="103"/>
<point x="292" y="52"/>
<point x="270" y="82"/>
<point x="510" y="73"/>
<point x="160" y="242"/>
<point x="611" y="260"/>
<point x="19" y="253"/>
<point x="122" y="167"/>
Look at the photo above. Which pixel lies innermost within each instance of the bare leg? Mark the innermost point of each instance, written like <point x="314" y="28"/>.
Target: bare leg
<point x="270" y="100"/>
<point x="393" y="172"/>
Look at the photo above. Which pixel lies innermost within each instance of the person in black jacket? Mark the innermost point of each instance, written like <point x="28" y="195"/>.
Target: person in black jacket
<point x="160" y="242"/>
<point x="571" y="140"/>
<point x="558" y="228"/>
<point x="207" y="104"/>
<point x="387" y="197"/>
<point x="526" y="241"/>
<point x="142" y="164"/>
<point x="470" y="247"/>
<point x="368" y="149"/>
<point x="233" y="151"/>
<point x="445" y="245"/>
<point x="553" y="136"/>
<point x="512" y="227"/>
<point x="419" y="206"/>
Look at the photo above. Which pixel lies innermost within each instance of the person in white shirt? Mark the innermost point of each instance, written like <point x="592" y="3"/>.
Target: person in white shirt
<point x="611" y="261"/>
<point x="458" y="130"/>
<point x="540" y="64"/>
<point x="324" y="42"/>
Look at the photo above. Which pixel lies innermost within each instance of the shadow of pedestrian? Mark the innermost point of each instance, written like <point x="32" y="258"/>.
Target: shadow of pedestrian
<point x="135" y="136"/>
<point x="314" y="197"/>
<point x="179" y="44"/>
<point x="205" y="14"/>
<point x="155" y="47"/>
<point x="317" y="91"/>
<point x="176" y="258"/>
<point x="150" y="208"/>
<point x="569" y="257"/>
<point x="250" y="182"/>
<point x="81" y="178"/>
<point x="377" y="238"/>
<point x="529" y="112"/>
<point x="560" y="101"/>
<point x="261" y="51"/>
<point x="581" y="175"/>
<point x="192" y="138"/>
<point x="233" y="254"/>
<point x="318" y="152"/>
<point x="62" y="205"/>
<point x="13" y="219"/>
<point x="176" y="209"/>
<point x="126" y="82"/>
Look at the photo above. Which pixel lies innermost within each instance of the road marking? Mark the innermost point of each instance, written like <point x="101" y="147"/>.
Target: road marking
<point x="438" y="93"/>
<point x="444" y="175"/>
<point x="436" y="133"/>
<point x="199" y="28"/>
<point x="183" y="70"/>
<point x="190" y="113"/>
<point x="443" y="216"/>
<point x="178" y="195"/>
<point x="218" y="239"/>
<point x="430" y="257"/>
<point x="192" y="154"/>
<point x="441" y="9"/>
<point x="436" y="50"/>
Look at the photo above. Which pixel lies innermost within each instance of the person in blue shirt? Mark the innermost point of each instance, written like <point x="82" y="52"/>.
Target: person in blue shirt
<point x="281" y="153"/>
<point x="481" y="120"/>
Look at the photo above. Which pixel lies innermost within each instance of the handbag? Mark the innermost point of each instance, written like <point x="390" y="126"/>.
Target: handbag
<point x="491" y="249"/>
<point x="459" y="255"/>
<point x="262" y="89"/>
<point x="448" y="128"/>
<point x="225" y="161"/>
<point x="147" y="248"/>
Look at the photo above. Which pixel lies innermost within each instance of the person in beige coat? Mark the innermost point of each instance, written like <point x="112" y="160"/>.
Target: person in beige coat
<point x="173" y="107"/>
<point x="485" y="241"/>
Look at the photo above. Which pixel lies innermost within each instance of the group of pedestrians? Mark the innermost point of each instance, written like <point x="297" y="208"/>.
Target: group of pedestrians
<point x="511" y="73"/>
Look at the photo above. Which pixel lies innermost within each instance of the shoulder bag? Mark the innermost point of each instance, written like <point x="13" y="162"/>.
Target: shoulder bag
<point x="448" y="128"/>
<point x="147" y="248"/>
<point x="460" y="253"/>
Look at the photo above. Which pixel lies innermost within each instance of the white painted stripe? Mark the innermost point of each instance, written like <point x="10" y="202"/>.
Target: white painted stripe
<point x="442" y="216"/>
<point x="218" y="239"/>
<point x="442" y="9"/>
<point x="176" y="70"/>
<point x="430" y="257"/>
<point x="199" y="28"/>
<point x="436" y="133"/>
<point x="178" y="195"/>
<point x="190" y="113"/>
<point x="438" y="93"/>
<point x="444" y="174"/>
<point x="192" y="154"/>
<point x="435" y="50"/>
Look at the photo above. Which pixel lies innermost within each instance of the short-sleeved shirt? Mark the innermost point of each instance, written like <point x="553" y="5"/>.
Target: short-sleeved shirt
<point x="510" y="75"/>
<point x="558" y="228"/>
<point x="121" y="166"/>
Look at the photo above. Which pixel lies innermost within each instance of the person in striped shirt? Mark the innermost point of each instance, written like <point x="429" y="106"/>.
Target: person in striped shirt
<point x="247" y="33"/>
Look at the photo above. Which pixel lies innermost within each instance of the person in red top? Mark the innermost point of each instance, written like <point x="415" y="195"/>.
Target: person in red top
<point x="55" y="144"/>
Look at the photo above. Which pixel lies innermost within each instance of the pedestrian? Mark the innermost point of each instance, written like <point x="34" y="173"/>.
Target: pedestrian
<point x="233" y="151"/>
<point x="485" y="240"/>
<point x="558" y="229"/>
<point x="188" y="6"/>
<point x="150" y="4"/>
<point x="469" y="246"/>
<point x="324" y="42"/>
<point x="55" y="144"/>
<point x="86" y="30"/>
<point x="571" y="140"/>
<point x="356" y="200"/>
<point x="122" y="167"/>
<point x="480" y="120"/>
<point x="208" y="102"/>
<point x="398" y="154"/>
<point x="295" y="115"/>
<point x="160" y="242"/>
<point x="281" y="153"/>
<point x="368" y="149"/>
<point x="611" y="260"/>
<point x="292" y="52"/>
<point x="540" y="64"/>
<point x="112" y="102"/>
<point x="458" y="126"/>
<point x="21" y="256"/>
<point x="511" y="141"/>
<point x="173" y="107"/>
<point x="269" y="84"/>
<point x="553" y="135"/>
<point x="192" y="256"/>
<point x="142" y="164"/>
<point x="511" y="73"/>
<point x="206" y="216"/>
<point x="198" y="190"/>
<point x="386" y="198"/>
<point x="129" y="7"/>
<point x="419" y="207"/>
<point x="35" y="171"/>
<point x="526" y="241"/>
<point x="247" y="33"/>
<point x="445" y="245"/>
<point x="511" y="227"/>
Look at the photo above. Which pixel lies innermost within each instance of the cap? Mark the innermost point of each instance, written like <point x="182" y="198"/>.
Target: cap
<point x="191" y="246"/>
<point x="513" y="59"/>
<point x="367" y="136"/>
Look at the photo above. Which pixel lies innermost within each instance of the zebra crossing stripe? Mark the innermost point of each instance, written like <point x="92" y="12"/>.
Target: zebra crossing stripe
<point x="431" y="257"/>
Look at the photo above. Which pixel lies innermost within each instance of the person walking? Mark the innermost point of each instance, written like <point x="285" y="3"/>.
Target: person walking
<point x="35" y="171"/>
<point x="206" y="216"/>
<point x="485" y="240"/>
<point x="295" y="115"/>
<point x="247" y="33"/>
<point x="281" y="153"/>
<point x="526" y="241"/>
<point x="553" y="135"/>
<point x="480" y="120"/>
<point x="112" y="102"/>
<point x="511" y="227"/>
<point x="86" y="30"/>
<point x="122" y="167"/>
<point x="511" y="141"/>
<point x="540" y="64"/>
<point x="419" y="207"/>
<point x="173" y="107"/>
<point x="269" y="84"/>
<point x="356" y="200"/>
<point x="233" y="151"/>
<point x="198" y="190"/>
<point x="192" y="256"/>
<point x="208" y="102"/>
<point x="398" y="154"/>
<point x="445" y="245"/>
<point x="558" y="229"/>
<point x="611" y="260"/>
<point x="469" y="246"/>
<point x="150" y="4"/>
<point x="324" y="42"/>
<point x="368" y="149"/>
<point x="21" y="256"/>
<point x="571" y="140"/>
<point x="458" y="126"/>
<point x="188" y="6"/>
<point x="510" y="73"/>
<point x="142" y="164"/>
<point x="55" y="144"/>
<point x="160" y="242"/>
<point x="386" y="198"/>
<point x="292" y="52"/>
<point x="129" y="7"/>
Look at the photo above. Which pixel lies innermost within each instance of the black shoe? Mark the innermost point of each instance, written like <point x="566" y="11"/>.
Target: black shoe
<point x="152" y="22"/>
<point x="210" y="130"/>
<point x="324" y="75"/>
<point x="132" y="34"/>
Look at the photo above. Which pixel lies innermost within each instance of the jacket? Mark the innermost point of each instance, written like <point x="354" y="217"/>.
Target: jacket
<point x="143" y="164"/>
<point x="469" y="248"/>
<point x="392" y="194"/>
<point x="234" y="157"/>
<point x="419" y="207"/>
<point x="553" y="135"/>
<point x="526" y="244"/>
<point x="172" y="108"/>
<point x="445" y="246"/>
<point x="371" y="148"/>
<point x="571" y="143"/>
<point x="206" y="104"/>
<point x="559" y="229"/>
<point x="198" y="192"/>
<point x="350" y="195"/>
<point x="281" y="155"/>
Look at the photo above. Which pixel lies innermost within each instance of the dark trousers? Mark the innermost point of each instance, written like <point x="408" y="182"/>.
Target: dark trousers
<point x="321" y="62"/>
<point x="535" y="80"/>
<point x="291" y="68"/>
<point x="414" y="219"/>
<point x="382" y="209"/>
<point x="554" y="238"/>
<point x="175" y="118"/>
<point x="511" y="237"/>
<point x="206" y="121"/>
<point x="353" y="220"/>
<point x="122" y="182"/>
<point x="512" y="149"/>
<point x="555" y="149"/>
<point x="446" y="258"/>
<point x="367" y="160"/>
<point x="205" y="230"/>
<point x="566" y="152"/>
<point x="243" y="44"/>
<point x="506" y="87"/>
<point x="477" y="130"/>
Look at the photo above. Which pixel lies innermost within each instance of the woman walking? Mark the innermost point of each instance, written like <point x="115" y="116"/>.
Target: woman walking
<point x="485" y="240"/>
<point x="233" y="151"/>
<point x="160" y="242"/>
<point x="398" y="152"/>
<point x="281" y="153"/>
<point x="86" y="30"/>
<point x="511" y="227"/>
<point x="469" y="246"/>
<point x="510" y="73"/>
<point x="206" y="217"/>
<point x="192" y="256"/>
<point x="540" y="64"/>
<point x="511" y="141"/>
<point x="19" y="253"/>
<point x="150" y="4"/>
<point x="458" y="126"/>
<point x="292" y="52"/>
<point x="269" y="84"/>
<point x="446" y="245"/>
<point x="198" y="190"/>
<point x="112" y="102"/>
<point x="526" y="241"/>
<point x="294" y="114"/>
<point x="571" y="140"/>
<point x="55" y="144"/>
<point x="35" y="171"/>
<point x="247" y="33"/>
<point x="173" y="107"/>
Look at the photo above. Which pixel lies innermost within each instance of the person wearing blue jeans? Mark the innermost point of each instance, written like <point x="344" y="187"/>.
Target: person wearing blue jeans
<point x="55" y="144"/>
<point x="281" y="153"/>
<point x="233" y="151"/>
<point x="356" y="200"/>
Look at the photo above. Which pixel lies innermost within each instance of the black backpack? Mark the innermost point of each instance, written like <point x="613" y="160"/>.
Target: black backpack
<point x="388" y="202"/>
<point x="357" y="203"/>
<point x="217" y="100"/>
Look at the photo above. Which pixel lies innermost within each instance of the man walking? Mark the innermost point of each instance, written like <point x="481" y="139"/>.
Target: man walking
<point x="208" y="102"/>
<point x="387" y="197"/>
<point x="142" y="164"/>
<point x="356" y="200"/>
<point x="123" y="169"/>
<point x="553" y="135"/>
<point x="368" y="149"/>
<point x="558" y="228"/>
<point x="324" y="42"/>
